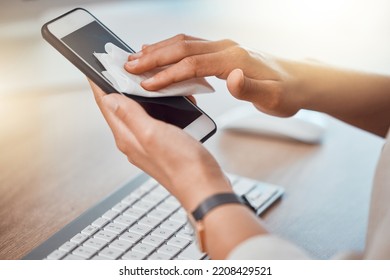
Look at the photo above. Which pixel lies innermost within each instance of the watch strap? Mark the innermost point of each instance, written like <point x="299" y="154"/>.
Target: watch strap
<point x="215" y="201"/>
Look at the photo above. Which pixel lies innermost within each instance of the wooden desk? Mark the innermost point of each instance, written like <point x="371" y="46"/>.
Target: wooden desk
<point x="58" y="158"/>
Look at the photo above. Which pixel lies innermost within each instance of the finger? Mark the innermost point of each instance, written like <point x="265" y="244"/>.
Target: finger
<point x="211" y="64"/>
<point x="173" y="53"/>
<point x="124" y="139"/>
<point x="169" y="41"/>
<point x="147" y="48"/>
<point x="192" y="99"/>
<point x="266" y="95"/>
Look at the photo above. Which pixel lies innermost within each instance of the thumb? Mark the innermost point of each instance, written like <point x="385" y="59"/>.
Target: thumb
<point x="266" y="95"/>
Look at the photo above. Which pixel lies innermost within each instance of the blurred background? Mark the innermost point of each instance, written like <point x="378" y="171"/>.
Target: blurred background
<point x="349" y="33"/>
<point x="57" y="151"/>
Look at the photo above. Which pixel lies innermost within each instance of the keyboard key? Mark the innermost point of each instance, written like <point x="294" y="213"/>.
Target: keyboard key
<point x="110" y="253"/>
<point x="105" y="235"/>
<point x="144" y="188"/>
<point x="84" y="252"/>
<point x="100" y="222"/>
<point x="143" y="205"/>
<point x="121" y="245"/>
<point x="171" y="225"/>
<point x="156" y="213"/>
<point x="159" y="193"/>
<point x="79" y="238"/>
<point x="131" y="237"/>
<point x="153" y="198"/>
<point x="95" y="243"/>
<point x="115" y="228"/>
<point x="56" y="255"/>
<point x="129" y="200"/>
<point x="161" y="190"/>
<point x="140" y="229"/>
<point x="150" y="184"/>
<point x="153" y="240"/>
<point x="243" y="186"/>
<point x="143" y="248"/>
<point x="179" y="217"/>
<point x="132" y="255"/>
<point x="158" y="256"/>
<point x="110" y="214"/>
<point x="167" y="207"/>
<point x="163" y="233"/>
<point x="120" y="207"/>
<point x="168" y="250"/>
<point x="187" y="233"/>
<point x="172" y="200"/>
<point x="149" y="221"/>
<point x="192" y="252"/>
<point x="254" y="194"/>
<point x="135" y="213"/>
<point x="178" y="242"/>
<point x="89" y="230"/>
<point x="257" y="203"/>
<point x="68" y="246"/>
<point x="125" y="220"/>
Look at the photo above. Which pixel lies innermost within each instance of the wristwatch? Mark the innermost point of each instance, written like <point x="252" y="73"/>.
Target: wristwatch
<point x="196" y="217"/>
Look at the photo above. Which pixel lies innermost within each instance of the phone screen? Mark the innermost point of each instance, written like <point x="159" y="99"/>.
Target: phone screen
<point x="92" y="38"/>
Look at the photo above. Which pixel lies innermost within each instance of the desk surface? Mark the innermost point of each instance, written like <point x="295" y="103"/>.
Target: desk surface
<point x="58" y="158"/>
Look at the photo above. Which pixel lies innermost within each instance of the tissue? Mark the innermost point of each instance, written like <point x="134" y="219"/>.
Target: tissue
<point x="114" y="60"/>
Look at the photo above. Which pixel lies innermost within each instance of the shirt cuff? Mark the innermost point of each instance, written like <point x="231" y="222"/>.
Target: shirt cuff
<point x="267" y="247"/>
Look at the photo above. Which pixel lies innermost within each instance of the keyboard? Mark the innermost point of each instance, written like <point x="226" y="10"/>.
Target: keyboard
<point x="141" y="220"/>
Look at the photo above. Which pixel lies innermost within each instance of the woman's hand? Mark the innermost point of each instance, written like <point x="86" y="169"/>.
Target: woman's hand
<point x="172" y="157"/>
<point x="275" y="86"/>
<point x="250" y="76"/>
<point x="180" y="164"/>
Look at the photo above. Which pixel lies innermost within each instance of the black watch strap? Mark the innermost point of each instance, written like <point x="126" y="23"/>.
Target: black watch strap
<point x="217" y="200"/>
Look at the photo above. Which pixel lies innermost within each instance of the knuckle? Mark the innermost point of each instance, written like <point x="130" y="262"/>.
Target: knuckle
<point x="148" y="136"/>
<point x="191" y="63"/>
<point x="229" y="42"/>
<point x="239" y="52"/>
<point x="184" y="47"/>
<point x="181" y="37"/>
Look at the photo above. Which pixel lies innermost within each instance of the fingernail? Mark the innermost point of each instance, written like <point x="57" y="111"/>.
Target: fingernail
<point x="110" y="102"/>
<point x="144" y="46"/>
<point x="132" y="63"/>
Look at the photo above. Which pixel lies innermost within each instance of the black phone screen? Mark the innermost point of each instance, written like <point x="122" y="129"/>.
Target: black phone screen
<point x="92" y="38"/>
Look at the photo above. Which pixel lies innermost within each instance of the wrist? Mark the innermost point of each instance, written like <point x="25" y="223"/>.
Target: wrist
<point x="201" y="188"/>
<point x="295" y="81"/>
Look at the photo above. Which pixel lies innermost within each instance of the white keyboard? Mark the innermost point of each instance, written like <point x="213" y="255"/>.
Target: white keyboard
<point x="149" y="223"/>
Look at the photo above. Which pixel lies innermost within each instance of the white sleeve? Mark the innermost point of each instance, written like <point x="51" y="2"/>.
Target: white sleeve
<point x="267" y="247"/>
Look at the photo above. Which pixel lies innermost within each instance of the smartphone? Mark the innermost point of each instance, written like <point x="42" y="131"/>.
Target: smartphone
<point x="77" y="34"/>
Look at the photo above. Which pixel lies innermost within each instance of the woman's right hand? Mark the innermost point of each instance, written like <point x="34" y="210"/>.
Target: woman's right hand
<point x="251" y="76"/>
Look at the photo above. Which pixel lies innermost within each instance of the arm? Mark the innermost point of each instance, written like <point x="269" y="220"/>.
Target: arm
<point x="275" y="86"/>
<point x="360" y="99"/>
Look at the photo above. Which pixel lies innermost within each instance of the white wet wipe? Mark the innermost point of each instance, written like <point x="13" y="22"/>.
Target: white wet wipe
<point x="114" y="60"/>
